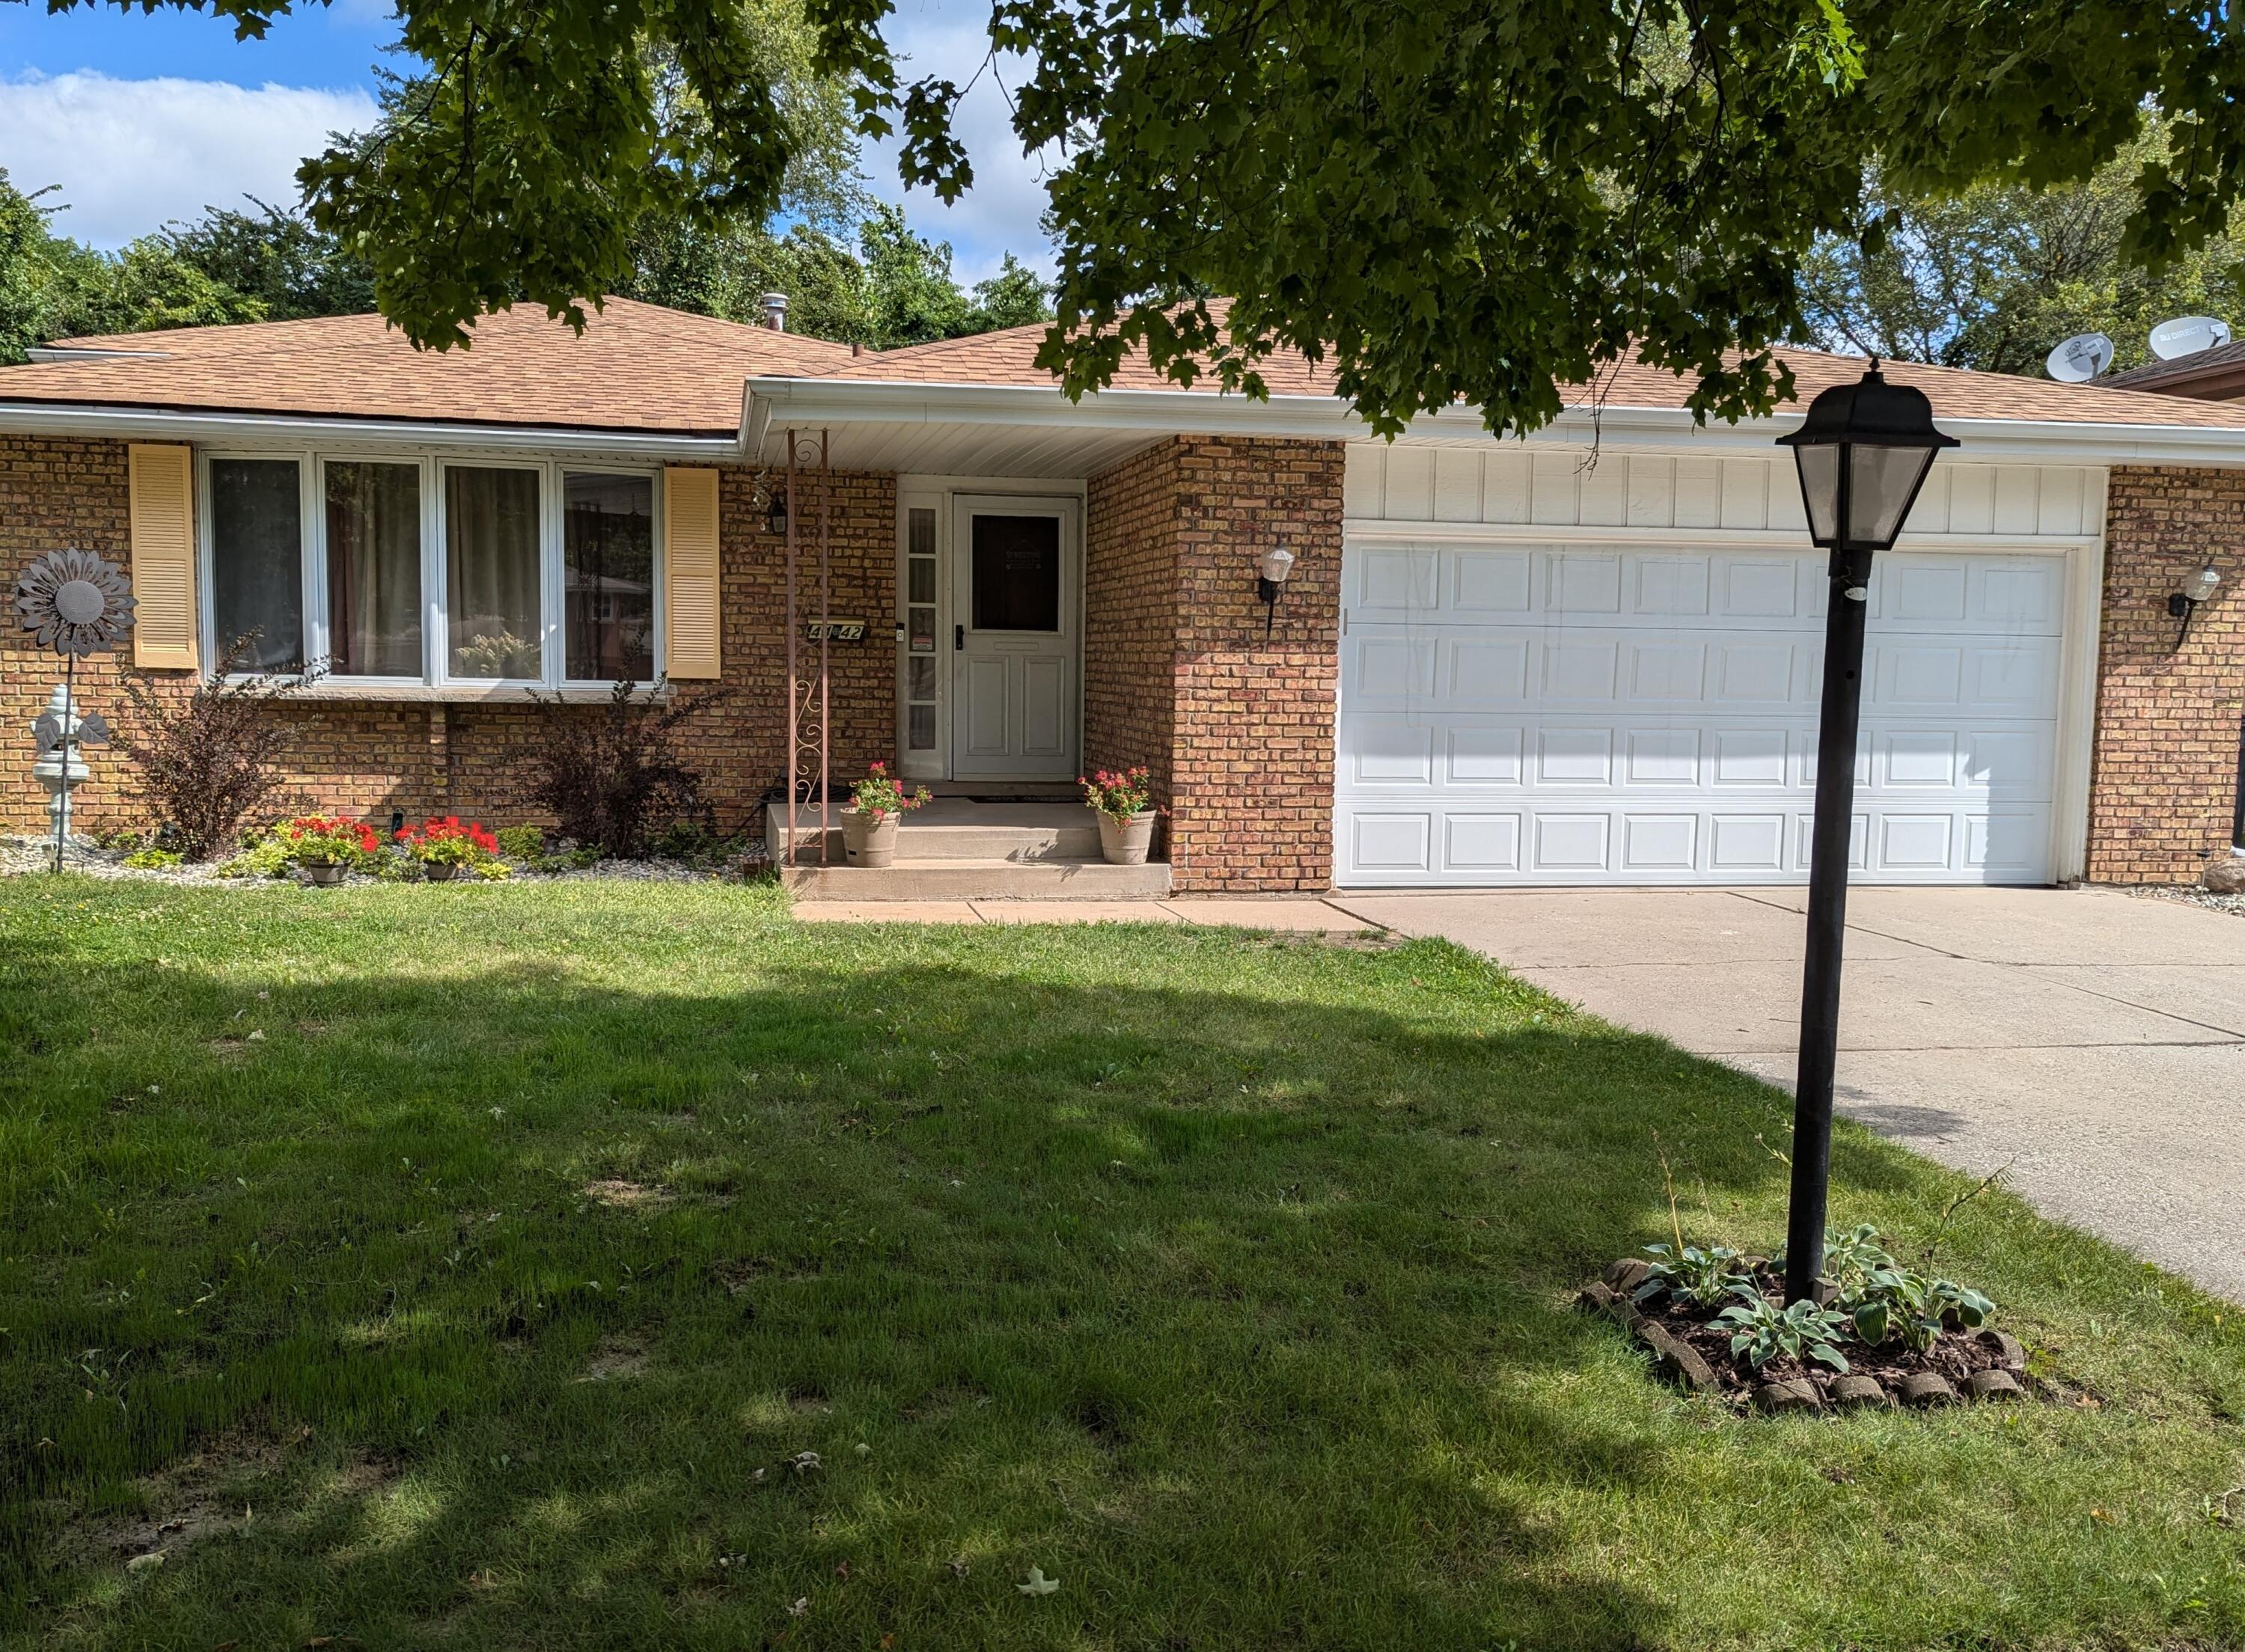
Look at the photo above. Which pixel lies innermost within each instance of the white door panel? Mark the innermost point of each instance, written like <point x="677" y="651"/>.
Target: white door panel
<point x="1611" y="714"/>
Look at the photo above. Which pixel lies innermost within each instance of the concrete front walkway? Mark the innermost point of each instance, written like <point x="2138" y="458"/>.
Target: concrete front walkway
<point x="2095" y="1041"/>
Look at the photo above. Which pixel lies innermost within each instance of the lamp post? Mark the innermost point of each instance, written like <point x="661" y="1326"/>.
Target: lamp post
<point x="1863" y="451"/>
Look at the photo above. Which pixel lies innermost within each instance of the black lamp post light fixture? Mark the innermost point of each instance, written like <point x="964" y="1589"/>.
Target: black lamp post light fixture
<point x="1863" y="451"/>
<point x="1271" y="570"/>
<point x="2182" y="604"/>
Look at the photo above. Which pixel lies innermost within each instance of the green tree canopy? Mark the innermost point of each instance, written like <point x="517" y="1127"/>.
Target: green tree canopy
<point x="1443" y="199"/>
<point x="1992" y="277"/>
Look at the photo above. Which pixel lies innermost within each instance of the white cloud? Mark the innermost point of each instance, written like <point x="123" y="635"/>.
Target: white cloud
<point x="999" y="214"/>
<point x="130" y="154"/>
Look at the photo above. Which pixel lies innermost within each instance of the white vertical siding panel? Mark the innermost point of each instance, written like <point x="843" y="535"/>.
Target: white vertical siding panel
<point x="1785" y="510"/>
<point x="1698" y="493"/>
<point x="1652" y="491"/>
<point x="1745" y="493"/>
<point x="1971" y="498"/>
<point x="1457" y="484"/>
<point x="2015" y="498"/>
<point x="1364" y="468"/>
<point x="1504" y="485"/>
<point x="1553" y="499"/>
<point x="2058" y="509"/>
<point x="1410" y="484"/>
<point x="1605" y="490"/>
<point x="1930" y="513"/>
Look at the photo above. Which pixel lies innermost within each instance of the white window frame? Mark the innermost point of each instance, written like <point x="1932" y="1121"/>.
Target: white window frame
<point x="434" y="676"/>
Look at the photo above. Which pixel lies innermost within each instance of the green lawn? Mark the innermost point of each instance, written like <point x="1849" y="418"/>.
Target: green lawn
<point x="484" y="1300"/>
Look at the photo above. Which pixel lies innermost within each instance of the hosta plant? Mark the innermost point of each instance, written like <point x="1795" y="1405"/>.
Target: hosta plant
<point x="1855" y="1255"/>
<point x="1893" y="1302"/>
<point x="1705" y="1276"/>
<point x="1848" y="1256"/>
<point x="1761" y="1331"/>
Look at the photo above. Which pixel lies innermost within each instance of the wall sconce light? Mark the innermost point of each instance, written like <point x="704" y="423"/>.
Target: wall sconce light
<point x="775" y="515"/>
<point x="1271" y="570"/>
<point x="2182" y="604"/>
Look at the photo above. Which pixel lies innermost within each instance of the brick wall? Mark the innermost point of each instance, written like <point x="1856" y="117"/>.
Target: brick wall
<point x="1132" y="586"/>
<point x="366" y="758"/>
<point x="1238" y="729"/>
<point x="2164" y="773"/>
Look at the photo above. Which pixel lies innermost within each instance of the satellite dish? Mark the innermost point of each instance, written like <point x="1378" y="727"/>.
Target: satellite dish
<point x="2187" y="335"/>
<point x="2080" y="358"/>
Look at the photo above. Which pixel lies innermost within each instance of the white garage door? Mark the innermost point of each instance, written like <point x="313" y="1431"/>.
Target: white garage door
<point x="1518" y="714"/>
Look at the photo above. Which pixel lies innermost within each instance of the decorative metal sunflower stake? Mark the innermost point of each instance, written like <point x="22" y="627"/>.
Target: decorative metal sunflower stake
<point x="75" y="602"/>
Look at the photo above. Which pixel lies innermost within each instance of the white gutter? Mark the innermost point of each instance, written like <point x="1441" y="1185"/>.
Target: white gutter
<point x="51" y="418"/>
<point x="803" y="401"/>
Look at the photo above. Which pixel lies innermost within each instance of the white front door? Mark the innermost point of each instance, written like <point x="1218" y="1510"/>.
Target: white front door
<point x="1016" y="647"/>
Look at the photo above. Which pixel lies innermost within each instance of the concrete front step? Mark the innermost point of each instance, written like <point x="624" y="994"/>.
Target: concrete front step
<point x="952" y="830"/>
<point x="980" y="880"/>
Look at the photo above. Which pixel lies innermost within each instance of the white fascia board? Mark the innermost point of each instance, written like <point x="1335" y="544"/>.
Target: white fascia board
<point x="214" y="429"/>
<point x="800" y="403"/>
<point x="812" y="402"/>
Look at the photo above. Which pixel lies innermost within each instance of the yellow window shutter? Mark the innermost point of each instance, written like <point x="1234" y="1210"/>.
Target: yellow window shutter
<point x="689" y="582"/>
<point x="160" y="487"/>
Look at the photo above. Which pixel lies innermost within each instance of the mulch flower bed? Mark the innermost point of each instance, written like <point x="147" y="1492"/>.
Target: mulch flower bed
<point x="1692" y="1352"/>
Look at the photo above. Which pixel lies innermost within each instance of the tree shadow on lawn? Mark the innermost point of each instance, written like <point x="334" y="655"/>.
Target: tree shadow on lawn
<point x="1242" y="1313"/>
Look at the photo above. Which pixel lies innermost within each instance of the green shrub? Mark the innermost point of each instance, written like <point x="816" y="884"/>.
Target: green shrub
<point x="153" y="859"/>
<point x="521" y="843"/>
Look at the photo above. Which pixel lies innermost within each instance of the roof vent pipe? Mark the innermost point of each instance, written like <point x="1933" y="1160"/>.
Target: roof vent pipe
<point x="775" y="307"/>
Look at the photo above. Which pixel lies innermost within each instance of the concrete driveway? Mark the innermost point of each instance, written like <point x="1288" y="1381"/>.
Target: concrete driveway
<point x="2095" y="1039"/>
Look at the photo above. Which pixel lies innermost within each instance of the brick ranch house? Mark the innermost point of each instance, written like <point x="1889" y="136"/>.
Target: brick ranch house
<point x="1589" y="657"/>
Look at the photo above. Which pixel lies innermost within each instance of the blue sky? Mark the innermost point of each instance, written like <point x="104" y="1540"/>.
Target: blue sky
<point x="141" y="119"/>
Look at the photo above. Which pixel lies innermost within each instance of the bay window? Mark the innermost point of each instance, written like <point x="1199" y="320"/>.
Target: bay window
<point x="428" y="571"/>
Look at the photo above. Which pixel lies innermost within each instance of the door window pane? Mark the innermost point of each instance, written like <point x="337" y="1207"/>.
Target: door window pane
<point x="374" y="569"/>
<point x="491" y="572"/>
<point x="1017" y="572"/>
<point x="257" y="569"/>
<point x="607" y="559"/>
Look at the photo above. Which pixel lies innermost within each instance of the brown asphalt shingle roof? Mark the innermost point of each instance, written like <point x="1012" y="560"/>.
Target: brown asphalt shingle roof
<point x="638" y="367"/>
<point x="1010" y="358"/>
<point x="642" y="368"/>
<point x="2222" y="361"/>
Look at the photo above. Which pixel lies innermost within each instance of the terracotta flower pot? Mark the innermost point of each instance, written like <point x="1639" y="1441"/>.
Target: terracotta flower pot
<point x="440" y="871"/>
<point x="1127" y="842"/>
<point x="323" y="873"/>
<point x="869" y="840"/>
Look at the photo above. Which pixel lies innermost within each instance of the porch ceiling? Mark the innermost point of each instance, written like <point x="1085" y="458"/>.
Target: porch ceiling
<point x="944" y="429"/>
